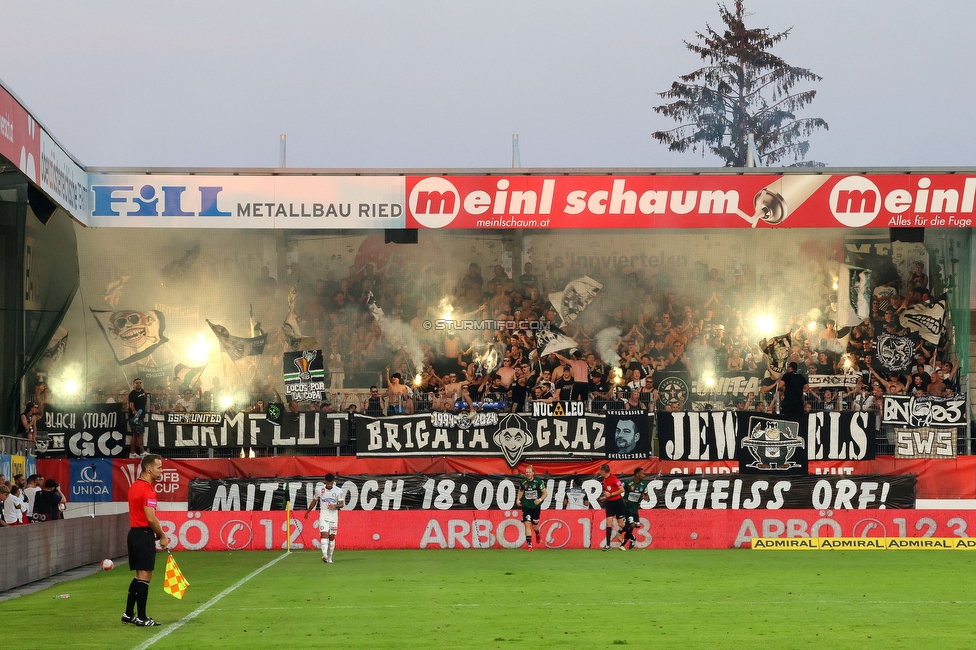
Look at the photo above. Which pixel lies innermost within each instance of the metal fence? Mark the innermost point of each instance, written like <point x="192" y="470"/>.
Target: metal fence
<point x="14" y="446"/>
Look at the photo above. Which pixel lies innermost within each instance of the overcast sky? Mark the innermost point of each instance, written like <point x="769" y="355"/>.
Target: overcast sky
<point x="446" y="84"/>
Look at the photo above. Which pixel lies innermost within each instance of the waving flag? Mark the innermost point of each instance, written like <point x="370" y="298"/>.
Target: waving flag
<point x="174" y="583"/>
<point x="926" y="318"/>
<point x="236" y="347"/>
<point x="576" y="297"/>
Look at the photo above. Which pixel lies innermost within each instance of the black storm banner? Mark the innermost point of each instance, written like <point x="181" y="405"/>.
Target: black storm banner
<point x="905" y="411"/>
<point x="89" y="431"/>
<point x="307" y="429"/>
<point x="721" y="435"/>
<point x="499" y="491"/>
<point x="512" y="436"/>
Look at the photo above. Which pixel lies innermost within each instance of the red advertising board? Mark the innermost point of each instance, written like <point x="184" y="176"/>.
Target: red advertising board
<point x="20" y="135"/>
<point x="420" y="529"/>
<point x="801" y="200"/>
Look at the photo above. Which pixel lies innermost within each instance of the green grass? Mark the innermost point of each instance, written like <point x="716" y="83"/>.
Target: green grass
<point x="545" y="599"/>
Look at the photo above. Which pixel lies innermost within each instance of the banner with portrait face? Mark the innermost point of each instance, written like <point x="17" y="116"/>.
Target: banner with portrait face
<point x="628" y="435"/>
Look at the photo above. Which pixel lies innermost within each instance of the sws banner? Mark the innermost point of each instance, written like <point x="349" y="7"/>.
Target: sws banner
<point x="385" y="492"/>
<point x="723" y="435"/>
<point x="499" y="491"/>
<point x="510" y="435"/>
<point x="87" y="431"/>
<point x="905" y="411"/>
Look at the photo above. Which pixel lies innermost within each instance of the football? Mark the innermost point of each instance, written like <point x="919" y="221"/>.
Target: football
<point x="107" y="565"/>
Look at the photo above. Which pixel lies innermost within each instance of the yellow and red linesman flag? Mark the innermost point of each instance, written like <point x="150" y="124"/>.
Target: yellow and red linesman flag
<point x="174" y="583"/>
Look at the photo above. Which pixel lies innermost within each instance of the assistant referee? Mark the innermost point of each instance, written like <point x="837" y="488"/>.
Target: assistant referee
<point x="144" y="531"/>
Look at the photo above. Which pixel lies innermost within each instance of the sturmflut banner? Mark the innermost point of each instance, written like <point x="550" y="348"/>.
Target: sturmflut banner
<point x="512" y="436"/>
<point x="499" y="492"/>
<point x="306" y="429"/>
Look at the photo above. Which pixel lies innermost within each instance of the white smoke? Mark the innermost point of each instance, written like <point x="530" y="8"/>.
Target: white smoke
<point x="398" y="334"/>
<point x="606" y="345"/>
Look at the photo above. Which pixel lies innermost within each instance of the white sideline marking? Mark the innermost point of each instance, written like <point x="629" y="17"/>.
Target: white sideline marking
<point x="169" y="629"/>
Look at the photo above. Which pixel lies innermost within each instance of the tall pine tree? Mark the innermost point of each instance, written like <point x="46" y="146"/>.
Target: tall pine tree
<point x="742" y="89"/>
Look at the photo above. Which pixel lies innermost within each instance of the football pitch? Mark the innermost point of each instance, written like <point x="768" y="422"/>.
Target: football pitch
<point x="515" y="599"/>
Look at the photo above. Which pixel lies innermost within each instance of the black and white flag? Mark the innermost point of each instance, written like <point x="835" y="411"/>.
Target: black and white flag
<point x="894" y="353"/>
<point x="552" y="340"/>
<point x="236" y="347"/>
<point x="853" y="295"/>
<point x="926" y="318"/>
<point x="576" y="297"/>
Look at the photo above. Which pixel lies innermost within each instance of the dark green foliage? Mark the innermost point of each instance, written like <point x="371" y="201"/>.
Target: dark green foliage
<point x="742" y="89"/>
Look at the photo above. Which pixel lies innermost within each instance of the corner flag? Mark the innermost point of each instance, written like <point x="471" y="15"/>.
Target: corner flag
<point x="174" y="583"/>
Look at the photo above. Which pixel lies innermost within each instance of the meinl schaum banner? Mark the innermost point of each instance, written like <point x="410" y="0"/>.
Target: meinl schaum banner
<point x="306" y="429"/>
<point x="499" y="491"/>
<point x="510" y="435"/>
<point x="85" y="431"/>
<point x="719" y="435"/>
<point x="905" y="411"/>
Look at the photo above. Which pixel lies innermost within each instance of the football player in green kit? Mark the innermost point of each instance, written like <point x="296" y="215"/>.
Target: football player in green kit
<point x="531" y="494"/>
<point x="635" y="491"/>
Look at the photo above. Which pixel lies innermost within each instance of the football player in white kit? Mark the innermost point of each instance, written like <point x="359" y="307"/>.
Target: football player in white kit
<point x="329" y="499"/>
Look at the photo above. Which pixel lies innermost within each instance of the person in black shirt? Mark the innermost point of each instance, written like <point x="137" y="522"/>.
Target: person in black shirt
<point x="794" y="385"/>
<point x="519" y="391"/>
<point x="47" y="502"/>
<point x="565" y="385"/>
<point x="138" y="408"/>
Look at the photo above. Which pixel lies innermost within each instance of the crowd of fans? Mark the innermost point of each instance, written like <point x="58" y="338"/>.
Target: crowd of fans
<point x="30" y="500"/>
<point x="694" y="320"/>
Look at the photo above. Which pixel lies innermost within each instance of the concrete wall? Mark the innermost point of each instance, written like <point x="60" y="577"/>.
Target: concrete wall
<point x="36" y="551"/>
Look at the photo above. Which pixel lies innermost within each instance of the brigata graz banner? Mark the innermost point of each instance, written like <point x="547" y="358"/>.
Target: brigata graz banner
<point x="905" y="411"/>
<point x="512" y="436"/>
<point x="85" y="431"/>
<point x="499" y="491"/>
<point x="306" y="429"/>
<point x="719" y="435"/>
<point x="385" y="492"/>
